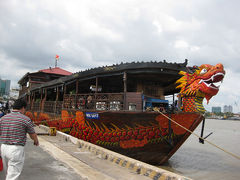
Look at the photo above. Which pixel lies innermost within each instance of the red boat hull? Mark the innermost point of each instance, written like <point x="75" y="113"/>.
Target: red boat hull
<point x="146" y="136"/>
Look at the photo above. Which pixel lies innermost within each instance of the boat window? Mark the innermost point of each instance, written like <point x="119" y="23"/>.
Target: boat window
<point x="101" y="105"/>
<point x="132" y="107"/>
<point x="93" y="88"/>
<point x="115" y="106"/>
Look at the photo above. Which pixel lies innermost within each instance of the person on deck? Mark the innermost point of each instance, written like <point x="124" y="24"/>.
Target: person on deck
<point x="13" y="129"/>
<point x="89" y="102"/>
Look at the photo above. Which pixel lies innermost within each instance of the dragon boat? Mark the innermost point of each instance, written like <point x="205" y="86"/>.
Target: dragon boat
<point x="118" y="107"/>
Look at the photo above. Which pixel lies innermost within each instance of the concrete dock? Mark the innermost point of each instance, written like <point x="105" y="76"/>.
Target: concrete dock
<point x="65" y="157"/>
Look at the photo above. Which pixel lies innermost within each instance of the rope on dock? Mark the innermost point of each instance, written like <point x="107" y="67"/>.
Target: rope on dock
<point x="228" y="152"/>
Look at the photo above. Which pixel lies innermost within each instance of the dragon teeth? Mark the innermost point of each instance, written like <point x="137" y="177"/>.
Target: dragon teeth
<point x="217" y="84"/>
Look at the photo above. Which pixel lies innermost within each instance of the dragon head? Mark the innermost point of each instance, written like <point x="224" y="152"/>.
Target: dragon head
<point x="204" y="82"/>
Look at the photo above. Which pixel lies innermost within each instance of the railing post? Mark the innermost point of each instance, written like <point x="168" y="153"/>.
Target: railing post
<point x="64" y="93"/>
<point x="39" y="104"/>
<point x="125" y="90"/>
<point x="44" y="99"/>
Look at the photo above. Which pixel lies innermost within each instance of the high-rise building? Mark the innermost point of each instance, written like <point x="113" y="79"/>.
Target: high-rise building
<point x="216" y="109"/>
<point x="227" y="109"/>
<point x="4" y="87"/>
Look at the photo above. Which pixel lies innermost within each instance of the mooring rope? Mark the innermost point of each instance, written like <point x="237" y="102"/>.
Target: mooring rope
<point x="228" y="152"/>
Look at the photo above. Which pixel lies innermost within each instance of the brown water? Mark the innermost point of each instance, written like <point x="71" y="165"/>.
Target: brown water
<point x="203" y="161"/>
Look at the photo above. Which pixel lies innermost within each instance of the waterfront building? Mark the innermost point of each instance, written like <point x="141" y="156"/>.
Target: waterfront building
<point x="227" y="109"/>
<point x="216" y="109"/>
<point x="4" y="87"/>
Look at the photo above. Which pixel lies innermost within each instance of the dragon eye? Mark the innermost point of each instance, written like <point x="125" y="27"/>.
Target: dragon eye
<point x="203" y="71"/>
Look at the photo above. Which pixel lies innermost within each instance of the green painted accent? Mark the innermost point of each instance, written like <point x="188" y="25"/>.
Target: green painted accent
<point x="199" y="105"/>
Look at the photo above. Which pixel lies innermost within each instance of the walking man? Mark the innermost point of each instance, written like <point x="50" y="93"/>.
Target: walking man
<point x="13" y="129"/>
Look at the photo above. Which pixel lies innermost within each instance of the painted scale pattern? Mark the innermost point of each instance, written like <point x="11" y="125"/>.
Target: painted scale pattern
<point x="139" y="136"/>
<point x="193" y="104"/>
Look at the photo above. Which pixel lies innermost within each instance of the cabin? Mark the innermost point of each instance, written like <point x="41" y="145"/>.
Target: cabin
<point x="31" y="80"/>
<point x="135" y="86"/>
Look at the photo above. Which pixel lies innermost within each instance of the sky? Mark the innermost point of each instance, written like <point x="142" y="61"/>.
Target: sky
<point x="87" y="34"/>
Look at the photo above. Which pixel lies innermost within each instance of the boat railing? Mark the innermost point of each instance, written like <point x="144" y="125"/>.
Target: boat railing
<point x="98" y="101"/>
<point x="36" y="106"/>
<point x="49" y="106"/>
<point x="58" y="107"/>
<point x="46" y="106"/>
<point x="28" y="107"/>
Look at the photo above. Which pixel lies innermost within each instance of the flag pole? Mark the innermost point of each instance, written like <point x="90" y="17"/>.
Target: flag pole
<point x="55" y="62"/>
<point x="56" y="59"/>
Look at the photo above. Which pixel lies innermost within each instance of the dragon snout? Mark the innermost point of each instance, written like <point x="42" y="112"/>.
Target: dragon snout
<point x="214" y="81"/>
<point x="220" y="67"/>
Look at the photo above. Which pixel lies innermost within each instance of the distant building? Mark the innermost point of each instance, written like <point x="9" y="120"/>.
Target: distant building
<point x="216" y="109"/>
<point x="4" y="87"/>
<point x="30" y="80"/>
<point x="14" y="93"/>
<point x="227" y="109"/>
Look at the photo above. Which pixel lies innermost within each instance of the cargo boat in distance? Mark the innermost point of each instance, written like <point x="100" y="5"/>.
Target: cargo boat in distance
<point x="118" y="107"/>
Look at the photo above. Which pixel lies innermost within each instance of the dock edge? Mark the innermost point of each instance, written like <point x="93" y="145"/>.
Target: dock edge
<point x="133" y="165"/>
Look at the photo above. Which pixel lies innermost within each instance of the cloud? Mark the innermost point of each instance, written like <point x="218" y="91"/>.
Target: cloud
<point x="10" y="69"/>
<point x="95" y="33"/>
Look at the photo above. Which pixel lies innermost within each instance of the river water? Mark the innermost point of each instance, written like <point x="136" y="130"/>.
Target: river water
<point x="204" y="161"/>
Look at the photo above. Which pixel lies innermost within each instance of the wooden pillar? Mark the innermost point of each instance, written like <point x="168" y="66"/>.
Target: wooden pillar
<point x="77" y="82"/>
<point x="173" y="104"/>
<point x="30" y="84"/>
<point x="57" y="93"/>
<point x="125" y="81"/>
<point x="64" y="92"/>
<point x="173" y="99"/>
<point x="64" y="89"/>
<point x="44" y="99"/>
<point x="40" y="103"/>
<point x="33" y="100"/>
<point x="34" y="96"/>
<point x="125" y="90"/>
<point x="41" y="94"/>
<point x="96" y="85"/>
<point x="55" y="104"/>
<point x="29" y="98"/>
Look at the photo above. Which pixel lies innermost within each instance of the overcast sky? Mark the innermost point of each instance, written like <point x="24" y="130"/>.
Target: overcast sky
<point x="90" y="33"/>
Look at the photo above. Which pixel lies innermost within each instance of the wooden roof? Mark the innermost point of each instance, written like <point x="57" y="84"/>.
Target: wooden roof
<point x="56" y="70"/>
<point x="52" y="71"/>
<point x="164" y="71"/>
